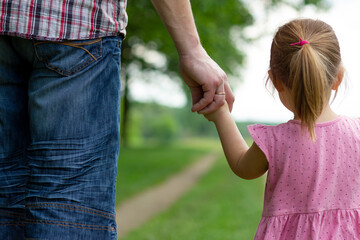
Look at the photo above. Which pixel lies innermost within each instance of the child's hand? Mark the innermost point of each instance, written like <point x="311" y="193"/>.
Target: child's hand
<point x="214" y="116"/>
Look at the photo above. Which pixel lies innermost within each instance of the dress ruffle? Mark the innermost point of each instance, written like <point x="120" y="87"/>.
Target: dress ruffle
<point x="325" y="225"/>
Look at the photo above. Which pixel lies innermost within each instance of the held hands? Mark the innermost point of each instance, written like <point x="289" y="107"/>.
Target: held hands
<point x="207" y="82"/>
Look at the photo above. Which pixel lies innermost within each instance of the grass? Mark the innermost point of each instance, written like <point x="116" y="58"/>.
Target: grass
<point x="220" y="207"/>
<point x="144" y="166"/>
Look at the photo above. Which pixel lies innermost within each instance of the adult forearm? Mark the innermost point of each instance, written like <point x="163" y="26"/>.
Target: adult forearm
<point x="178" y="19"/>
<point x="201" y="73"/>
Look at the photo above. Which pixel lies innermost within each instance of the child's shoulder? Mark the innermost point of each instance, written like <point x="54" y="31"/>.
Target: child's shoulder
<point x="350" y="119"/>
<point x="293" y="124"/>
<point x="266" y="136"/>
<point x="350" y="122"/>
<point x="292" y="128"/>
<point x="274" y="126"/>
<point x="265" y="132"/>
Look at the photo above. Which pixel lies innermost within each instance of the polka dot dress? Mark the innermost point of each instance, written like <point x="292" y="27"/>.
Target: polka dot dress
<point x="312" y="188"/>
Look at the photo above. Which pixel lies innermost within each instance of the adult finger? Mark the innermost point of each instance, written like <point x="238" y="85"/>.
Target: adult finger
<point x="208" y="97"/>
<point x="218" y="101"/>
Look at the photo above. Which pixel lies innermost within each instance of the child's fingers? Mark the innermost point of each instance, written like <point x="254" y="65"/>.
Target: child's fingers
<point x="229" y="96"/>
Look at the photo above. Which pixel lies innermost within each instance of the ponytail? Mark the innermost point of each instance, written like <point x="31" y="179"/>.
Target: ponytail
<point x="307" y="68"/>
<point x="309" y="85"/>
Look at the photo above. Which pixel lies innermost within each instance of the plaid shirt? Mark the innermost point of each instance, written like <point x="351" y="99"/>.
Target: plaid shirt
<point x="59" y="20"/>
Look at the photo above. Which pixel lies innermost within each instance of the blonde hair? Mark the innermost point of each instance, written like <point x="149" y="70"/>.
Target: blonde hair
<point x="308" y="70"/>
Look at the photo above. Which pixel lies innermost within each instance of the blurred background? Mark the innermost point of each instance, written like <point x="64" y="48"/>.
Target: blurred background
<point x="159" y="134"/>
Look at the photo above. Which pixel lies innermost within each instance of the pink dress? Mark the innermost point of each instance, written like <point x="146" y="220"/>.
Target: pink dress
<point x="312" y="189"/>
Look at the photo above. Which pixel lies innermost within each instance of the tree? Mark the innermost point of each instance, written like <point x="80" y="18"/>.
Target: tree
<point x="216" y="22"/>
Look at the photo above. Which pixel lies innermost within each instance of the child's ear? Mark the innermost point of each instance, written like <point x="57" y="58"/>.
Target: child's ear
<point x="277" y="84"/>
<point x="339" y="78"/>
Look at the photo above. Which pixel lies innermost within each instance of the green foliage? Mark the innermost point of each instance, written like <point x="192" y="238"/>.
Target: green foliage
<point x="214" y="20"/>
<point x="298" y="5"/>
<point x="163" y="126"/>
<point x="154" y="123"/>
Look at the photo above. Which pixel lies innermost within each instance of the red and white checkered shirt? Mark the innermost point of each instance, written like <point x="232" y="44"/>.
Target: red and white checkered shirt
<point x="58" y="20"/>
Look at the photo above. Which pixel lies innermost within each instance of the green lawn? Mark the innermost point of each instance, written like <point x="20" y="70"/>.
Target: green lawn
<point x="220" y="207"/>
<point x="144" y="166"/>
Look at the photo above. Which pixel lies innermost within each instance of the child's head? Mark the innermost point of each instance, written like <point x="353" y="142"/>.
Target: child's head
<point x="305" y="60"/>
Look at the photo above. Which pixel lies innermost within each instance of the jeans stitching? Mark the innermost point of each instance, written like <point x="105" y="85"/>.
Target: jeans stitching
<point x="72" y="207"/>
<point x="70" y="42"/>
<point x="79" y="68"/>
<point x="69" y="224"/>
<point x="79" y="45"/>
<point x="66" y="222"/>
<point x="97" y="55"/>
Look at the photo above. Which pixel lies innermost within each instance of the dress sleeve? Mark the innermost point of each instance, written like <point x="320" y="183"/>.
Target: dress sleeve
<point x="260" y="135"/>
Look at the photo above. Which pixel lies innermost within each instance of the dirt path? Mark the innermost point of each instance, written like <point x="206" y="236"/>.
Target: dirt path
<point x="135" y="211"/>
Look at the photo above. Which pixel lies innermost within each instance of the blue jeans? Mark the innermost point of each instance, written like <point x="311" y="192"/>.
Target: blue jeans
<point x="59" y="138"/>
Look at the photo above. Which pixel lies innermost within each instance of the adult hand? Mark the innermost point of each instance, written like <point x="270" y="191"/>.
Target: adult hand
<point x="208" y="83"/>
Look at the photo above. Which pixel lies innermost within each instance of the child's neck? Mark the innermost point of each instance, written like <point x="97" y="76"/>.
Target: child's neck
<point x="327" y="115"/>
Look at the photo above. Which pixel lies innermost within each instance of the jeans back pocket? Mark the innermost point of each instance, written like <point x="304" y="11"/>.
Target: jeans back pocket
<point x="70" y="57"/>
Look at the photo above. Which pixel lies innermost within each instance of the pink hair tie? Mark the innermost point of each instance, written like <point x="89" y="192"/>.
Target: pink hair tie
<point x="302" y="42"/>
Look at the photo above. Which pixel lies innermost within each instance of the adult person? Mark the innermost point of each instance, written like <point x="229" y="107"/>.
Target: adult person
<point x="59" y="110"/>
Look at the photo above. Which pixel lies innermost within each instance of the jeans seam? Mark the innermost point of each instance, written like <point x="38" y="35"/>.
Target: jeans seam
<point x="70" y="42"/>
<point x="72" y="207"/>
<point x="69" y="224"/>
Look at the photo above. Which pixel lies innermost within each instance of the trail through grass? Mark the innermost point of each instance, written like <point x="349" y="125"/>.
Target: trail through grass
<point x="220" y="207"/>
<point x="142" y="167"/>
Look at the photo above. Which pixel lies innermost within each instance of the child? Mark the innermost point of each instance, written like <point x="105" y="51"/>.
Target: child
<point x="313" y="161"/>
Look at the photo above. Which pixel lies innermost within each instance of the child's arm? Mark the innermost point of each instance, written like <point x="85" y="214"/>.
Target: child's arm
<point x="247" y="163"/>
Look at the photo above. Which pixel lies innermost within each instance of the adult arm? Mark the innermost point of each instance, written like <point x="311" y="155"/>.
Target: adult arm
<point x="203" y="76"/>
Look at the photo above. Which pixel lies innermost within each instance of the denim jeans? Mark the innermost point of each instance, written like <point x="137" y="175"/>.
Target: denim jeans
<point x="59" y="138"/>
